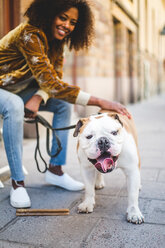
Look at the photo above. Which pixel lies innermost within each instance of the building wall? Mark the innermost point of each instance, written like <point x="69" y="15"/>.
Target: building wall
<point x="9" y="15"/>
<point x="23" y="6"/>
<point x="151" y="47"/>
<point x="95" y="70"/>
<point x="1" y="18"/>
<point x="110" y="67"/>
<point x="126" y="61"/>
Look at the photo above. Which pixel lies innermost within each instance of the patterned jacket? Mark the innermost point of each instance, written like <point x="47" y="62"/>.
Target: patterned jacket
<point x="23" y="54"/>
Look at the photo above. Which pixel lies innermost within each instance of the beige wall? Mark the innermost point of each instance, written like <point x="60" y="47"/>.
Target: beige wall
<point x="152" y="46"/>
<point x="131" y="6"/>
<point x="105" y="76"/>
<point x="144" y="19"/>
<point x="23" y="6"/>
<point x="120" y="15"/>
<point x="95" y="72"/>
<point x="151" y="24"/>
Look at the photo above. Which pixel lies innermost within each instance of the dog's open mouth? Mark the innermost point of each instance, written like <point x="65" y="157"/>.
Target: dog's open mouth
<point x="105" y="162"/>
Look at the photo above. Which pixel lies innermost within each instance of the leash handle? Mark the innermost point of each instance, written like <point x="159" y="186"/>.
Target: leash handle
<point x="42" y="121"/>
<point x="37" y="151"/>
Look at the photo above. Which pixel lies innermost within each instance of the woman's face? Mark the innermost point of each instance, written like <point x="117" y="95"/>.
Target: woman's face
<point x="65" y="23"/>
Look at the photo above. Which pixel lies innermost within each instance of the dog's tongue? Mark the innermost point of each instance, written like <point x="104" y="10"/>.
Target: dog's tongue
<point x="104" y="162"/>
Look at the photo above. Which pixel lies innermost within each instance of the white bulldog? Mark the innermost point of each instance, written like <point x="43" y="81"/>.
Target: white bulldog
<point x="107" y="141"/>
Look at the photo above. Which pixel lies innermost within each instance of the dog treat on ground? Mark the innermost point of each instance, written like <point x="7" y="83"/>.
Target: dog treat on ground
<point x="41" y="212"/>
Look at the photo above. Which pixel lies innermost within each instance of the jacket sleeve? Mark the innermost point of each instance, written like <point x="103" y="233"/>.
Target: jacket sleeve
<point x="33" y="47"/>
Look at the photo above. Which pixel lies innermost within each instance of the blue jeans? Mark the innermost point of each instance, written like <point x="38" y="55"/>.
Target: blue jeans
<point x="12" y="110"/>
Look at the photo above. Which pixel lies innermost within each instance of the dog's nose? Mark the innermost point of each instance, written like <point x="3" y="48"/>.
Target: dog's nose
<point x="103" y="144"/>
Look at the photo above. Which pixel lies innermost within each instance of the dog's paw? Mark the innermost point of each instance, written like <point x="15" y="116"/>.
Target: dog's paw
<point x="99" y="184"/>
<point x="86" y="207"/>
<point x="134" y="215"/>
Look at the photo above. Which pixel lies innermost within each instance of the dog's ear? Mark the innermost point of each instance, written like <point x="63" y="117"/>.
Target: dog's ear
<point x="116" y="117"/>
<point x="77" y="128"/>
<point x="79" y="124"/>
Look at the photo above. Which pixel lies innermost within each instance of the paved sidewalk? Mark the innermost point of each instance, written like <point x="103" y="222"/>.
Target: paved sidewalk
<point x="106" y="227"/>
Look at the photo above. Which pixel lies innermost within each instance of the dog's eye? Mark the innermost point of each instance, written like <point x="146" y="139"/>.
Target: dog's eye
<point x="114" y="133"/>
<point x="89" y="136"/>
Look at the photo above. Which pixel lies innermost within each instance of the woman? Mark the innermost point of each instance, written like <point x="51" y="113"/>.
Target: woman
<point x="31" y="60"/>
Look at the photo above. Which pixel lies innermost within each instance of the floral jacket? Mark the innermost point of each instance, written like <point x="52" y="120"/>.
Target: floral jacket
<point x="23" y="54"/>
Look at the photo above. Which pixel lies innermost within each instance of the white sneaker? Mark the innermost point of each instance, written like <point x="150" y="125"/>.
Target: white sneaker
<point x="64" y="181"/>
<point x="19" y="198"/>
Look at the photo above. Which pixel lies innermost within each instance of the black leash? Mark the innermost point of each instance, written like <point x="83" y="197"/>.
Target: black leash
<point x="46" y="124"/>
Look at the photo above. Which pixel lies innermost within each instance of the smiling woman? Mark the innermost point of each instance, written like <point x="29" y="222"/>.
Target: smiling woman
<point x="43" y="13"/>
<point x="64" y="24"/>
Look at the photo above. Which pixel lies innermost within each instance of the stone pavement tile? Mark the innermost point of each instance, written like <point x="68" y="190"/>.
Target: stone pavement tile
<point x="52" y="197"/>
<point x="149" y="174"/>
<point x="115" y="209"/>
<point x="46" y="197"/>
<point x="151" y="143"/>
<point x="149" y="190"/>
<point x="153" y="190"/>
<point x="111" y="207"/>
<point x="116" y="234"/>
<point x="114" y="182"/>
<point x="148" y="152"/>
<point x="7" y="213"/>
<point x="152" y="162"/>
<point x="4" y="192"/>
<point x="50" y="231"/>
<point x="161" y="177"/>
<point x="6" y="244"/>
<point x="155" y="212"/>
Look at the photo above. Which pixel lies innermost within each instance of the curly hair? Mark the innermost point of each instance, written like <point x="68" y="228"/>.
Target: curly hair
<point x="41" y="14"/>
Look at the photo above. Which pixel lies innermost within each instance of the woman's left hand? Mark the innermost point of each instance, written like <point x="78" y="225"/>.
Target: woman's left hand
<point x="108" y="105"/>
<point x="116" y="106"/>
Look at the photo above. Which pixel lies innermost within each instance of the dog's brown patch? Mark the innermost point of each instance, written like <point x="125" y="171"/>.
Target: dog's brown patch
<point x="81" y="124"/>
<point x="99" y="117"/>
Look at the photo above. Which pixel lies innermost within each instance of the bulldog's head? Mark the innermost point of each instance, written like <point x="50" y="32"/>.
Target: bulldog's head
<point x="101" y="138"/>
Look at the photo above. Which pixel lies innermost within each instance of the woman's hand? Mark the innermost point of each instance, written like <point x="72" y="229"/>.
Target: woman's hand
<point x="33" y="105"/>
<point x="108" y="105"/>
